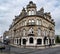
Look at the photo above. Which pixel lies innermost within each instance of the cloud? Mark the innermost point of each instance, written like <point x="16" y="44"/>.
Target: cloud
<point x="8" y="9"/>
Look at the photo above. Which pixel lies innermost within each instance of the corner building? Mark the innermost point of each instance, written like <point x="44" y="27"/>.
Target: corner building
<point x="32" y="28"/>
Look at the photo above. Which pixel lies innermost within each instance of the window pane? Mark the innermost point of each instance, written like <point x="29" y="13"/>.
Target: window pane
<point x="44" y="33"/>
<point x="32" y="12"/>
<point x="29" y="20"/>
<point x="31" y="40"/>
<point x="29" y="12"/>
<point x="39" y="41"/>
<point x="37" y="22"/>
<point x="32" y="20"/>
<point x="24" y="41"/>
<point x="39" y="32"/>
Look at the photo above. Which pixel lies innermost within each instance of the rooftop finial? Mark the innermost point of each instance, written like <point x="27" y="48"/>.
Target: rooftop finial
<point x="23" y="9"/>
<point x="31" y="2"/>
<point x="42" y="9"/>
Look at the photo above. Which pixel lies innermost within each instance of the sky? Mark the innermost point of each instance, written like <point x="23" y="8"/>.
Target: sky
<point x="11" y="8"/>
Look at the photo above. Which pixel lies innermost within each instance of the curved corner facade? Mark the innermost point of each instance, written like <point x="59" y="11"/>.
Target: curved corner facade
<point x="32" y="27"/>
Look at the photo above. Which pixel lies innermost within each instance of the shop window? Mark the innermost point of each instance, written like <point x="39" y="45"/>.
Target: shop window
<point x="39" y="41"/>
<point x="24" y="41"/>
<point x="31" y="40"/>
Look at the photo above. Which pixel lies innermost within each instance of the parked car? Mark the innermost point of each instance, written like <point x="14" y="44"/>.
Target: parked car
<point x="2" y="46"/>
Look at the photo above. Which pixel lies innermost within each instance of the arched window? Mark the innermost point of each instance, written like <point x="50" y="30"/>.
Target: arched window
<point x="39" y="32"/>
<point x="33" y="12"/>
<point x="32" y="21"/>
<point x="44" y="33"/>
<point x="37" y="22"/>
<point x="29" y="21"/>
<point x="31" y="40"/>
<point x="24" y="32"/>
<point x="30" y="30"/>
<point x="39" y="41"/>
<point x="24" y="41"/>
<point x="29" y="12"/>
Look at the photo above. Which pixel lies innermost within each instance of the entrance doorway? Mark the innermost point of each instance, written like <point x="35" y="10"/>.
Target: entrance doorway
<point x="24" y="41"/>
<point x="39" y="41"/>
<point x="31" y="40"/>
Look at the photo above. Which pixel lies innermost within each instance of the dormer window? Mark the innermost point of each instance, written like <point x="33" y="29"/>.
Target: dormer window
<point x="31" y="12"/>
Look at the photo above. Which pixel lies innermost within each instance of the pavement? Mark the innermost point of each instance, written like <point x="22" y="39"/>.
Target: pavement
<point x="45" y="50"/>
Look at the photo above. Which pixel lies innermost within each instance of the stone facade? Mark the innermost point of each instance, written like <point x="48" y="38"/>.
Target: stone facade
<point x="32" y="27"/>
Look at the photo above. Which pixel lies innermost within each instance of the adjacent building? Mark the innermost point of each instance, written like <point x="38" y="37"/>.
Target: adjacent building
<point x="1" y="38"/>
<point x="32" y="27"/>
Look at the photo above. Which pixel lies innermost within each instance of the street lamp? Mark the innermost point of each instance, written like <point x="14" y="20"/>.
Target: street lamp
<point x="8" y="41"/>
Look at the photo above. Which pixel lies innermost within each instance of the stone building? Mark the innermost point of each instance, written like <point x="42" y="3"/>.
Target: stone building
<point x="5" y="36"/>
<point x="32" y="27"/>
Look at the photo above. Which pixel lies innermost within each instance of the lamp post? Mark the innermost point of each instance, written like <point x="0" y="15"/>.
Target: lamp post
<point x="8" y="43"/>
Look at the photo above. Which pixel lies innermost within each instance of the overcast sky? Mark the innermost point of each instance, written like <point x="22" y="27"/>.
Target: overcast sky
<point x="10" y="8"/>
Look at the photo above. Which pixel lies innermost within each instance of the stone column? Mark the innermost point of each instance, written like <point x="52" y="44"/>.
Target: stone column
<point x="18" y="41"/>
<point x="48" y="41"/>
<point x="42" y="41"/>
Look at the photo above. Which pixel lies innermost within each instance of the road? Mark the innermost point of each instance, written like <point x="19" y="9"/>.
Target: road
<point x="17" y="50"/>
<point x="47" y="51"/>
<point x="55" y="50"/>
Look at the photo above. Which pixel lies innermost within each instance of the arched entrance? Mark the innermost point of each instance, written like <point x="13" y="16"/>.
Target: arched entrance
<point x="31" y="40"/>
<point x="24" y="41"/>
<point x="39" y="41"/>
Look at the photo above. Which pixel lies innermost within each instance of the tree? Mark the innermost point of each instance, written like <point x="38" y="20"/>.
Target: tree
<point x="57" y="39"/>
